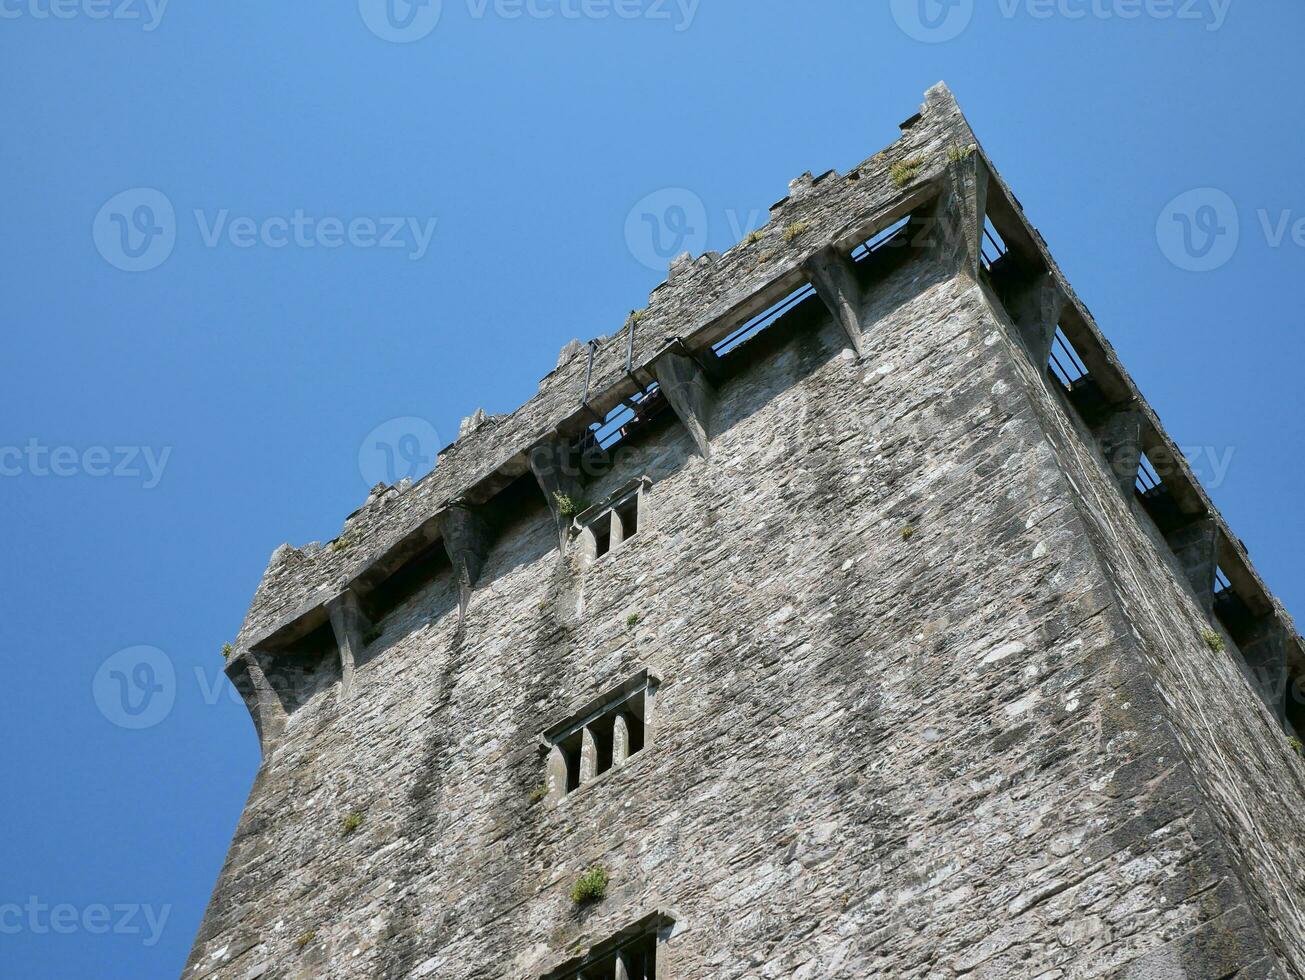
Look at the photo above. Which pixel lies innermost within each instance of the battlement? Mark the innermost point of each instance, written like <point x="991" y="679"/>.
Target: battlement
<point x="935" y="180"/>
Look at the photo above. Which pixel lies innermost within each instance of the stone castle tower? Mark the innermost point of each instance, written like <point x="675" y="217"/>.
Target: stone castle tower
<point x="845" y="614"/>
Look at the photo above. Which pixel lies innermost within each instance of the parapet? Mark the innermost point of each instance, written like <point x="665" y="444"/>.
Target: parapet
<point x="936" y="169"/>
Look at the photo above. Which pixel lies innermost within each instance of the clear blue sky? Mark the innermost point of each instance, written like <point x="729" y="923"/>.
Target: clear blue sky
<point x="262" y="371"/>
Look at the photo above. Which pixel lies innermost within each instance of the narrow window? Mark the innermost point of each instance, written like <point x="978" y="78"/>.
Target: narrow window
<point x="606" y="526"/>
<point x="630" y="954"/>
<point x="628" y="514"/>
<point x="601" y="737"/>
<point x="602" y="531"/>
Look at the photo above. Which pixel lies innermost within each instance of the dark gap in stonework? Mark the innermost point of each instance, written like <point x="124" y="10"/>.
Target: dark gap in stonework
<point x="640" y="961"/>
<point x="1065" y="364"/>
<point x="992" y="247"/>
<point x="622" y="421"/>
<point x="1157" y="498"/>
<point x="415" y="576"/>
<point x="764" y="319"/>
<point x="1231" y="609"/>
<point x="602" y="531"/>
<point x="881" y="239"/>
<point x="628" y="514"/>
<point x="311" y="665"/>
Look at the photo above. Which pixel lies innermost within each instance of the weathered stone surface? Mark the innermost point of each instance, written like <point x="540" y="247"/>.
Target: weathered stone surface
<point x="1036" y="311"/>
<point x="996" y="746"/>
<point x="1121" y="443"/>
<point x="691" y="395"/>
<point x="349" y="624"/>
<point x="835" y="282"/>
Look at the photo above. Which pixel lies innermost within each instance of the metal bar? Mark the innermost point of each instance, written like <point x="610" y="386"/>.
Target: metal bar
<point x="1071" y="352"/>
<point x="999" y="246"/>
<point x="589" y="370"/>
<point x="629" y="346"/>
<point x="1061" y="374"/>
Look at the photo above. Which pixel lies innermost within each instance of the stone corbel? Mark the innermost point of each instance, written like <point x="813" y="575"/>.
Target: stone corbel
<point x="466" y="537"/>
<point x="1120" y="438"/>
<point x="691" y="396"/>
<point x="1265" y="653"/>
<point x="1036" y="310"/>
<point x="349" y="623"/>
<point x="554" y="466"/>
<point x="834" y="279"/>
<point x="246" y="674"/>
<point x="1196" y="546"/>
<point x="959" y="214"/>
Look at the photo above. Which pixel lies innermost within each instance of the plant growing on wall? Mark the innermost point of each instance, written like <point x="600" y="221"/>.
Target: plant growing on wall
<point x="591" y="886"/>
<point x="956" y="153"/>
<point x="904" y="171"/>
<point x="566" y="506"/>
<point x="795" y="230"/>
